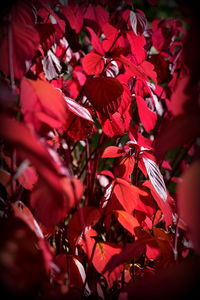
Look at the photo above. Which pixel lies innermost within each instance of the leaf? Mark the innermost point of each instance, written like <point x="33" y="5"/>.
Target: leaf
<point x="95" y="42"/>
<point x="111" y="34"/>
<point x="129" y="222"/>
<point x="75" y="21"/>
<point x="101" y="14"/>
<point x="79" y="128"/>
<point x="126" y="167"/>
<point x="148" y="69"/>
<point x="127" y="194"/>
<point x="60" y="22"/>
<point x="78" y="109"/>
<point x="20" y="40"/>
<point x="70" y="265"/>
<point x="104" y="94"/>
<point x="51" y="65"/>
<point x="138" y="72"/>
<point x="102" y="254"/>
<point x="164" y="206"/>
<point x="28" y="178"/>
<point x="112" y="126"/>
<point x="112" y="69"/>
<point x="93" y="64"/>
<point x="55" y="194"/>
<point x="130" y="251"/>
<point x="138" y="22"/>
<point x="41" y="102"/>
<point x="155" y="177"/>
<point x="138" y="52"/>
<point x="148" y="117"/>
<point x="188" y="192"/>
<point x="133" y="21"/>
<point x="22" y="211"/>
<point x="82" y="218"/>
<point x="176" y="132"/>
<point x="113" y="151"/>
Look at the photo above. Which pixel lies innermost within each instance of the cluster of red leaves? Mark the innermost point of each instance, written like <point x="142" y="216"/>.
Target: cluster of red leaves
<point x="92" y="98"/>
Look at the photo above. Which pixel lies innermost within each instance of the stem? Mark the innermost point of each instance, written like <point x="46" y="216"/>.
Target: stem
<point x="10" y="51"/>
<point x="115" y="40"/>
<point x="88" y="175"/>
<point x="95" y="165"/>
<point x="176" y="241"/>
<point x="13" y="162"/>
<point x="136" y="169"/>
<point x="89" y="263"/>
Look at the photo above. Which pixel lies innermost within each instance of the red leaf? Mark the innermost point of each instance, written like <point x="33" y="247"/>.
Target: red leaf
<point x="20" y="41"/>
<point x="41" y="102"/>
<point x="22" y="211"/>
<point x="164" y="206"/>
<point x="103" y="253"/>
<point x="70" y="265"/>
<point x="188" y="192"/>
<point x="78" y="109"/>
<point x="113" y="151"/>
<point x="147" y="117"/>
<point x="134" y="250"/>
<point x="137" y="44"/>
<point x="101" y="14"/>
<point x="87" y="240"/>
<point x="147" y="205"/>
<point x="138" y="72"/>
<point x="148" y="69"/>
<point x="111" y="34"/>
<point x="125" y="168"/>
<point x="127" y="194"/>
<point x="112" y="126"/>
<point x="129" y="222"/>
<point x="104" y="94"/>
<point x="95" y="41"/>
<point x="82" y="218"/>
<point x="24" y="140"/>
<point x="93" y="63"/>
<point x="28" y="178"/>
<point x="75" y="21"/>
<point x="60" y="193"/>
<point x="177" y="131"/>
<point x="49" y="211"/>
<point x="60" y="22"/>
<point x="179" y="97"/>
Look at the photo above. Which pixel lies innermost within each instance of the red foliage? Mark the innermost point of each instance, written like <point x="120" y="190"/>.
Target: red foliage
<point x="99" y="119"/>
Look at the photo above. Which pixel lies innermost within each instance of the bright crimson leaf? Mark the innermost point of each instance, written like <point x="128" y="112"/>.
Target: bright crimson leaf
<point x="103" y="253"/>
<point x="113" y="151"/>
<point x="127" y="194"/>
<point x="147" y="116"/>
<point x="127" y="220"/>
<point x="93" y="63"/>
